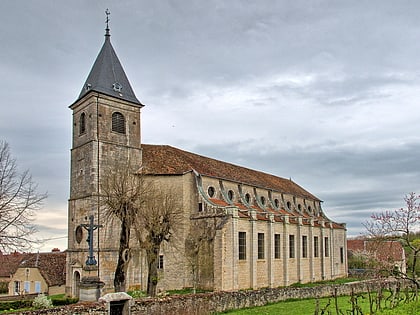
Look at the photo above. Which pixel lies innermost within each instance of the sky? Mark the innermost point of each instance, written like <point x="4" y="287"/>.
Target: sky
<point x="326" y="93"/>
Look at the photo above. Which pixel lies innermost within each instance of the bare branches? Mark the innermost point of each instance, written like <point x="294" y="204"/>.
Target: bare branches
<point x="143" y="206"/>
<point x="399" y="224"/>
<point x="19" y="202"/>
<point x="158" y="219"/>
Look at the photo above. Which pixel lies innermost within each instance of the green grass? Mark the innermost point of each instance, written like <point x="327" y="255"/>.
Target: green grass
<point x="186" y="291"/>
<point x="326" y="282"/>
<point x="139" y="294"/>
<point x="308" y="306"/>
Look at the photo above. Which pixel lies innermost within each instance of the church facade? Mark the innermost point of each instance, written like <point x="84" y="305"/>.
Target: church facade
<point x="249" y="229"/>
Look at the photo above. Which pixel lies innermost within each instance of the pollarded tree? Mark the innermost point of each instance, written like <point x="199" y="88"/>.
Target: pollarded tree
<point x="158" y="219"/>
<point x="141" y="207"/>
<point x="199" y="245"/>
<point x="399" y="224"/>
<point x="19" y="201"/>
<point x="122" y="192"/>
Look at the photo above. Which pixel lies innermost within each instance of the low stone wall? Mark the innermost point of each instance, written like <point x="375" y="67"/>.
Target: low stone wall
<point x="207" y="303"/>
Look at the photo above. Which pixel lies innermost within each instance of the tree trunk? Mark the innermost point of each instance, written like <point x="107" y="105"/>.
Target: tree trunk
<point x="413" y="269"/>
<point x="123" y="258"/>
<point x="152" y="277"/>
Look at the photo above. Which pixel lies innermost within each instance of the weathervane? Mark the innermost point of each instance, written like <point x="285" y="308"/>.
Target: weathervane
<point x="107" y="21"/>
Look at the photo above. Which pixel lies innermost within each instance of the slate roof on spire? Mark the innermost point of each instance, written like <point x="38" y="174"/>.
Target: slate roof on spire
<point x="107" y="75"/>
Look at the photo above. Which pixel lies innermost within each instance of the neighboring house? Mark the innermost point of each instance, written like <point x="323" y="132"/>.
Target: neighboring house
<point x="390" y="253"/>
<point x="39" y="273"/>
<point x="8" y="266"/>
<point x="255" y="230"/>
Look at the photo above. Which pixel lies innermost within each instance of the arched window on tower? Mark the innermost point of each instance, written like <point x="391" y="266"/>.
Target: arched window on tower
<point x="82" y="124"/>
<point x="118" y="122"/>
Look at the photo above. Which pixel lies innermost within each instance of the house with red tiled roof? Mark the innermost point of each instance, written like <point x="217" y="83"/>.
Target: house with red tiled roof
<point x="8" y="265"/>
<point x="38" y="273"/>
<point x="389" y="254"/>
<point x="247" y="228"/>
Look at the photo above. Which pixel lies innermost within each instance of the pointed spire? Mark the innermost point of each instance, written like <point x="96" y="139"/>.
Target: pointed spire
<point x="107" y="74"/>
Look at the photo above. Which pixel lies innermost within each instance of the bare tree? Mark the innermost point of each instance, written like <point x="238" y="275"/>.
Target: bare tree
<point x="399" y="224"/>
<point x="122" y="194"/>
<point x="141" y="206"/>
<point x="19" y="202"/>
<point x="158" y="219"/>
<point x="199" y="245"/>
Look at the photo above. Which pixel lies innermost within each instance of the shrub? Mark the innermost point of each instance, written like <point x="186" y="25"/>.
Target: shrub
<point x="63" y="300"/>
<point x="41" y="302"/>
<point x="4" y="287"/>
<point x="137" y="294"/>
<point x="14" y="305"/>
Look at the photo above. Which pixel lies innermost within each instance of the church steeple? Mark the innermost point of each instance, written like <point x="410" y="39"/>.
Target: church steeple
<point x="107" y="74"/>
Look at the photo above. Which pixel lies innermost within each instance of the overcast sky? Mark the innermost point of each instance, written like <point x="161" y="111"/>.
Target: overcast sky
<point x="324" y="92"/>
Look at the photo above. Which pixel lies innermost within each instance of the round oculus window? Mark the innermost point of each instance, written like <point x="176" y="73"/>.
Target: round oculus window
<point x="247" y="197"/>
<point x="230" y="195"/>
<point x="211" y="191"/>
<point x="79" y="234"/>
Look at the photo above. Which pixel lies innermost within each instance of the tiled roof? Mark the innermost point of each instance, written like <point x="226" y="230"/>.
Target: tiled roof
<point x="10" y="263"/>
<point x="52" y="266"/>
<point x="167" y="160"/>
<point x="384" y="250"/>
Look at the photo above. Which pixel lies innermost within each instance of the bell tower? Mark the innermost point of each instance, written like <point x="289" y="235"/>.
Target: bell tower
<point x="106" y="127"/>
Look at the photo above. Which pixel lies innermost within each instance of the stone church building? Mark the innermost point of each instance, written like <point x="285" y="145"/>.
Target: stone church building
<point x="260" y="230"/>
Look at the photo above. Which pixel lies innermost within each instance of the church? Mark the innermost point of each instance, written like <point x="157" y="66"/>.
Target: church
<point x="260" y="230"/>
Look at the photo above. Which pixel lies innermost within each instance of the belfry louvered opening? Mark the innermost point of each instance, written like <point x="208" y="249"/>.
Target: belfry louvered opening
<point x="82" y="124"/>
<point x="118" y="122"/>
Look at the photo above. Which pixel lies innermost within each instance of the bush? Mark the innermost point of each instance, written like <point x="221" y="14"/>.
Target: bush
<point x="137" y="294"/>
<point x="4" y="287"/>
<point x="41" y="302"/>
<point x="63" y="300"/>
<point x="14" y="305"/>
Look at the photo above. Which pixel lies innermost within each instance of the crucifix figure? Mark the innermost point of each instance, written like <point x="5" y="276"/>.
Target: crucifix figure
<point x="91" y="261"/>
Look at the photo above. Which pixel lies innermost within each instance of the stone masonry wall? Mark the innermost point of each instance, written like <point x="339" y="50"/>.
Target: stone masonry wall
<point x="207" y="303"/>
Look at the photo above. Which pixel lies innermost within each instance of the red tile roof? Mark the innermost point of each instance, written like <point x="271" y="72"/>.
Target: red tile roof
<point x="52" y="266"/>
<point x="10" y="263"/>
<point x="167" y="160"/>
<point x="384" y="250"/>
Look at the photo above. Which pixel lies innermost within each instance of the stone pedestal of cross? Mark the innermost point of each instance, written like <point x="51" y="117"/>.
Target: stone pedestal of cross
<point x="90" y="286"/>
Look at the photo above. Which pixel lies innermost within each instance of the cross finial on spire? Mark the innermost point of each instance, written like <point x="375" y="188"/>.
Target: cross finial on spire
<point x="107" y="22"/>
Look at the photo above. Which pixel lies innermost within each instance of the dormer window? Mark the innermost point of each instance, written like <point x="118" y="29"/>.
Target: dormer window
<point x="82" y="124"/>
<point x="118" y="122"/>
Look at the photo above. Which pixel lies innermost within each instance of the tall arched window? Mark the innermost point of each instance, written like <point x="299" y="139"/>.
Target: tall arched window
<point x="118" y="122"/>
<point x="82" y="124"/>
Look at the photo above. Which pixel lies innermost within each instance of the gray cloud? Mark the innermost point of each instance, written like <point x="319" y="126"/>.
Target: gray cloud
<point x="323" y="92"/>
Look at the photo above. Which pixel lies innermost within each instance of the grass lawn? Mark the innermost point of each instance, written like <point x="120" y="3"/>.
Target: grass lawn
<point x="304" y="307"/>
